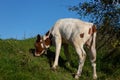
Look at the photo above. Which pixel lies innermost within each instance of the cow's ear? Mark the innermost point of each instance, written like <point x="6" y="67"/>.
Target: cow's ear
<point x="38" y="38"/>
<point x="47" y="33"/>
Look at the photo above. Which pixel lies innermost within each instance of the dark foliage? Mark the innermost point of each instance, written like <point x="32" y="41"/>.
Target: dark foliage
<point x="105" y="12"/>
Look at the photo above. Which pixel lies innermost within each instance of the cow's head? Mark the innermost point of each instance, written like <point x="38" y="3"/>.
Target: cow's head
<point x="42" y="43"/>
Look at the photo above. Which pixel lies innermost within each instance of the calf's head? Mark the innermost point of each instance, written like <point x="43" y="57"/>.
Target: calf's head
<point x="41" y="44"/>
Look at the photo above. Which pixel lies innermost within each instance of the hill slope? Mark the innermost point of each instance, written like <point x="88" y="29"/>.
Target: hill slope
<point x="17" y="63"/>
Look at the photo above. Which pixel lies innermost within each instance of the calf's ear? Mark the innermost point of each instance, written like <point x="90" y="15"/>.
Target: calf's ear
<point x="47" y="33"/>
<point x="38" y="38"/>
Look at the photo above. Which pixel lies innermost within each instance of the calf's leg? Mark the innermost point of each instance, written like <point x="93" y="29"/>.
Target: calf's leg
<point x="57" y="52"/>
<point x="82" y="56"/>
<point x="93" y="61"/>
<point x="91" y="45"/>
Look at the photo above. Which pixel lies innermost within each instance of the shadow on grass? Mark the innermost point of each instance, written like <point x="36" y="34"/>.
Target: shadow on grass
<point x="32" y="51"/>
<point x="51" y="56"/>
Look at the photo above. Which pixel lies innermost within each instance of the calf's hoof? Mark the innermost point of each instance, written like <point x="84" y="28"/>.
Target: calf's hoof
<point x="95" y="77"/>
<point x="77" y="76"/>
<point x="53" y="68"/>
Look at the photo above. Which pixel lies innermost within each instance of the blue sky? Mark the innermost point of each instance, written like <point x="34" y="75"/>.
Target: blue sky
<point x="27" y="18"/>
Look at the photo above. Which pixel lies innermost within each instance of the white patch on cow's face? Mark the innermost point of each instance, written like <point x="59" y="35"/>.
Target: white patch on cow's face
<point x="36" y="54"/>
<point x="47" y="46"/>
<point x="42" y="51"/>
<point x="41" y="40"/>
<point x="42" y="45"/>
<point x="45" y="37"/>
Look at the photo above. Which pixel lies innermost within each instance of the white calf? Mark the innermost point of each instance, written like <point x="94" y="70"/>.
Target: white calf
<point x="72" y="31"/>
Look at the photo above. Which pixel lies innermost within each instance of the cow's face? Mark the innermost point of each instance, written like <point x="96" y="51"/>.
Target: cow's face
<point x="39" y="46"/>
<point x="42" y="43"/>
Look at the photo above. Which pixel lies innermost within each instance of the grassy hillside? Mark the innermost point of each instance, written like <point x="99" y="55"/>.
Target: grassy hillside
<point x="17" y="63"/>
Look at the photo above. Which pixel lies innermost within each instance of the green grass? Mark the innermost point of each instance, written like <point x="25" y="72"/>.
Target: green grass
<point x="17" y="63"/>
